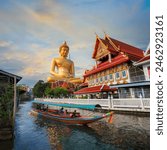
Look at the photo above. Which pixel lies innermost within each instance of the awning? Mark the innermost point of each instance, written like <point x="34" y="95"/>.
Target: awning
<point x="94" y="89"/>
<point x="133" y="84"/>
<point x="18" y="78"/>
<point x="81" y="106"/>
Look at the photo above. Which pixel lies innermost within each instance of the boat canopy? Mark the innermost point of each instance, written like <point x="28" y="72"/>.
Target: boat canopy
<point x="80" y="106"/>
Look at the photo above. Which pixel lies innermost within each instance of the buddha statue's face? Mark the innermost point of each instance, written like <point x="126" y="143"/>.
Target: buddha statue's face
<point x="64" y="51"/>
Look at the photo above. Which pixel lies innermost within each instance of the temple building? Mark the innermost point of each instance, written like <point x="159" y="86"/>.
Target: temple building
<point x="145" y="63"/>
<point x="117" y="71"/>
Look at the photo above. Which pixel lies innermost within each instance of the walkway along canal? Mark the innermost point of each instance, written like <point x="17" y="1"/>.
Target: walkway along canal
<point x="126" y="132"/>
<point x="123" y="104"/>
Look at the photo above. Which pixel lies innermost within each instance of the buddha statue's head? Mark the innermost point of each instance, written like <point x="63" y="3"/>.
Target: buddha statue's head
<point x="64" y="49"/>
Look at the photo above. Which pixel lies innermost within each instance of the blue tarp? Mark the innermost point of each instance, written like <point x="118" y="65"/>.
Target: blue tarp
<point x="81" y="106"/>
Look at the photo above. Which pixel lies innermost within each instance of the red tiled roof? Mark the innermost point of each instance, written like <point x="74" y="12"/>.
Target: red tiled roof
<point x="83" y="84"/>
<point x="110" y="47"/>
<point x="115" y="46"/>
<point x="94" y="89"/>
<point x="127" y="48"/>
<point x="121" y="58"/>
<point x="147" y="52"/>
<point x="144" y="59"/>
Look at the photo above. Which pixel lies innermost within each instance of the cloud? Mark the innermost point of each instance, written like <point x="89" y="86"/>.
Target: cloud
<point x="32" y="31"/>
<point x="4" y="43"/>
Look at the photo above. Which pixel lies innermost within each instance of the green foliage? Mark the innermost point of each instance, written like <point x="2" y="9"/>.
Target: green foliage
<point x="6" y="104"/>
<point x="42" y="89"/>
<point x="60" y="92"/>
<point x="49" y="92"/>
<point x="39" y="89"/>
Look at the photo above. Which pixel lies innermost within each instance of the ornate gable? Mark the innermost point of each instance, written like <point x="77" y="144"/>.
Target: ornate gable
<point x="101" y="51"/>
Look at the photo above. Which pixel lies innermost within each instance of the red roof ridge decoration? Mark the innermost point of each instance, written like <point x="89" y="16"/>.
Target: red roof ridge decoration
<point x="101" y="40"/>
<point x="94" y="89"/>
<point x="121" y="58"/>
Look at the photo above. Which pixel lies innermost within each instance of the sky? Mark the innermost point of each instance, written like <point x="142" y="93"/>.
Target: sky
<point x="31" y="32"/>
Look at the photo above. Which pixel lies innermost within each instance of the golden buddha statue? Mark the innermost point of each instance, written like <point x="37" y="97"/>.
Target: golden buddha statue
<point x="65" y="67"/>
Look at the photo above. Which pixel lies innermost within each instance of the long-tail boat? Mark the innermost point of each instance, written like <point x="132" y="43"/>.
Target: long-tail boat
<point x="74" y="118"/>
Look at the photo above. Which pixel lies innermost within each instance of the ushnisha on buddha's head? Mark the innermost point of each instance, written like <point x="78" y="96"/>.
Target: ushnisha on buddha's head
<point x="64" y="49"/>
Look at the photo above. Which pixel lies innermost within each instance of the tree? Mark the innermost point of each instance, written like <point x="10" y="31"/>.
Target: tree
<point x="39" y="88"/>
<point x="49" y="92"/>
<point x="60" y="92"/>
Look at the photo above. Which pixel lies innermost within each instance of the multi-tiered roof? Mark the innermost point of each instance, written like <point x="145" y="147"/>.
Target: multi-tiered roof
<point x="108" y="53"/>
<point x="120" y="51"/>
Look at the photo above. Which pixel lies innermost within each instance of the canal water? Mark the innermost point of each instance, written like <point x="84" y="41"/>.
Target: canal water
<point x="127" y="132"/>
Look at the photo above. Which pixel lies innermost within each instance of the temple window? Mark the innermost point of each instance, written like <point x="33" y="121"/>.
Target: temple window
<point x="124" y="74"/>
<point x="101" y="79"/>
<point x="110" y="76"/>
<point x="136" y="74"/>
<point x="106" y="77"/>
<point x="117" y="75"/>
<point x="97" y="80"/>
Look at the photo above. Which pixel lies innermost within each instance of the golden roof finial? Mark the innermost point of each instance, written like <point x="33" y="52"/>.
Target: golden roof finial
<point x="96" y="35"/>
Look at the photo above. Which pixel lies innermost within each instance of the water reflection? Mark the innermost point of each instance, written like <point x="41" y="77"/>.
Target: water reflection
<point x="127" y="132"/>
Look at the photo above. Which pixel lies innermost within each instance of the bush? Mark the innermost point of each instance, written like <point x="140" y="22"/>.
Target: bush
<point x="6" y="105"/>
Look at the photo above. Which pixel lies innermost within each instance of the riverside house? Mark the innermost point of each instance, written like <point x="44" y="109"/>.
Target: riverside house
<point x="8" y="96"/>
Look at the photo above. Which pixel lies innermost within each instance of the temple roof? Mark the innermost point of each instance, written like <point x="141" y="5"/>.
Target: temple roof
<point x="126" y="48"/>
<point x="145" y="58"/>
<point x="115" y="46"/>
<point x="94" y="89"/>
<point x="121" y="58"/>
<point x="85" y="84"/>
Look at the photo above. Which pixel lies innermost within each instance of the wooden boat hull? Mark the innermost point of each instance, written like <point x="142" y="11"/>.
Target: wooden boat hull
<point x="83" y="120"/>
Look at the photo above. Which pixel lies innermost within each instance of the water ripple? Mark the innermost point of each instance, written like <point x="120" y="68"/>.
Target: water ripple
<point x="126" y="133"/>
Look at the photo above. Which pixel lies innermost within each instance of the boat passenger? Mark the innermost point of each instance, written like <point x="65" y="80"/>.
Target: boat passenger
<point x="74" y="114"/>
<point x="61" y="110"/>
<point x="42" y="107"/>
<point x="66" y="112"/>
<point x="45" y="108"/>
